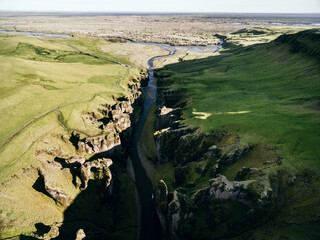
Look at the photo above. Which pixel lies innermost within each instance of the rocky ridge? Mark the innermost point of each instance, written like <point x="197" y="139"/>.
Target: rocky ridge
<point x="204" y="203"/>
<point x="98" y="159"/>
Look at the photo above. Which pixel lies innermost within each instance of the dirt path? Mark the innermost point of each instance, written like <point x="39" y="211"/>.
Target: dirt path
<point x="105" y="59"/>
<point x="58" y="108"/>
<point x="75" y="130"/>
<point x="25" y="125"/>
<point x="95" y="56"/>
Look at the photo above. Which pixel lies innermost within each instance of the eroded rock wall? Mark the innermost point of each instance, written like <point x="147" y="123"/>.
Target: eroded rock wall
<point x="83" y="178"/>
<point x="204" y="203"/>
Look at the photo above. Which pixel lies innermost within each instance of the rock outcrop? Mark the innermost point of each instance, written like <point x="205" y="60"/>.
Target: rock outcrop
<point x="204" y="203"/>
<point x="230" y="205"/>
<point x="99" y="144"/>
<point x="80" y="235"/>
<point x="113" y="121"/>
<point x="97" y="169"/>
<point x="75" y="160"/>
<point x="52" y="189"/>
<point x="167" y="141"/>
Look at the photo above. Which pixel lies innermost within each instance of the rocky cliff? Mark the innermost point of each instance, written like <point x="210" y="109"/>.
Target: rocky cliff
<point x="207" y="199"/>
<point x="81" y="181"/>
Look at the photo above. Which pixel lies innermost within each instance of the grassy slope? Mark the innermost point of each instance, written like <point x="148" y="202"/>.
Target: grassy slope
<point x="39" y="75"/>
<point x="30" y="87"/>
<point x="256" y="35"/>
<point x="148" y="149"/>
<point x="259" y="94"/>
<point x="269" y="96"/>
<point x="137" y="53"/>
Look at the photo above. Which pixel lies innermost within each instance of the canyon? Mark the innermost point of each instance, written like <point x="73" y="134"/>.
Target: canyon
<point x="185" y="150"/>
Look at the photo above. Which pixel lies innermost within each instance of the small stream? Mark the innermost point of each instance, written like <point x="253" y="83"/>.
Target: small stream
<point x="150" y="227"/>
<point x="149" y="223"/>
<point x="36" y="34"/>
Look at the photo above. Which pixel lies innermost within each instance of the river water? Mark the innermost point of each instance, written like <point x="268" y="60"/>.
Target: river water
<point x="36" y="34"/>
<point x="150" y="227"/>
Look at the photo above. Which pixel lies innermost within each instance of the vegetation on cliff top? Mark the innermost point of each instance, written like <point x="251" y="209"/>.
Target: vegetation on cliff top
<point x="265" y="93"/>
<point x="46" y="89"/>
<point x="264" y="98"/>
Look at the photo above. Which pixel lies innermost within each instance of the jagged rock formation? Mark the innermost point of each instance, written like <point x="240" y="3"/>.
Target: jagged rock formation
<point x="56" y="194"/>
<point x="65" y="177"/>
<point x="167" y="141"/>
<point x="100" y="170"/>
<point x="113" y="120"/>
<point x="204" y="203"/>
<point x="75" y="160"/>
<point x="254" y="195"/>
<point x="230" y="205"/>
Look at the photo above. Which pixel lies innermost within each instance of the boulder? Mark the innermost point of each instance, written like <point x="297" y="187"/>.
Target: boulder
<point x="80" y="235"/>
<point x="75" y="160"/>
<point x="101" y="171"/>
<point x="167" y="141"/>
<point x="57" y="194"/>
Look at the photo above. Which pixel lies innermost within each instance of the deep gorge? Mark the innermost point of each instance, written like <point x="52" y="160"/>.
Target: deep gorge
<point x="195" y="175"/>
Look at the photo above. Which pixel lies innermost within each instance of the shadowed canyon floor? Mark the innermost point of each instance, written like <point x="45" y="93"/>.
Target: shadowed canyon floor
<point x="250" y="163"/>
<point x="226" y="148"/>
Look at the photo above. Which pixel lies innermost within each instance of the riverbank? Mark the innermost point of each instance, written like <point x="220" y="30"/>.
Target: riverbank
<point x="60" y="95"/>
<point x="150" y="224"/>
<point x="174" y="29"/>
<point x="60" y="147"/>
<point x="255" y="167"/>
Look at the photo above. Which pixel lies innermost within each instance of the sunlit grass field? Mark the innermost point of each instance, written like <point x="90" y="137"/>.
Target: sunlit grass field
<point x="265" y="93"/>
<point x="269" y="96"/>
<point x="39" y="75"/>
<point x="37" y="78"/>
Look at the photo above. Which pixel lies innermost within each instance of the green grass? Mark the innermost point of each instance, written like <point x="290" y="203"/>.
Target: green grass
<point x="164" y="172"/>
<point x="269" y="96"/>
<point x="148" y="147"/>
<point x="38" y="76"/>
<point x="93" y="46"/>
<point x="146" y="137"/>
<point x="31" y="87"/>
<point x="264" y="84"/>
<point x="256" y="158"/>
<point x="256" y="35"/>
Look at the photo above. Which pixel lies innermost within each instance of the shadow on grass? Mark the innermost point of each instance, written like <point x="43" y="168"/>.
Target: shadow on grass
<point x="90" y="211"/>
<point x="42" y="229"/>
<point x="39" y="186"/>
<point x="73" y="168"/>
<point x="23" y="237"/>
<point x="102" y="212"/>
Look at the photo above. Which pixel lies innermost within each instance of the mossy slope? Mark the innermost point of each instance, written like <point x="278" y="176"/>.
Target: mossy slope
<point x="263" y="99"/>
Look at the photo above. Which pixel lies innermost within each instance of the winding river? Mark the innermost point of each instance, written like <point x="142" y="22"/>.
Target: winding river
<point x="150" y="227"/>
<point x="149" y="223"/>
<point x="36" y="34"/>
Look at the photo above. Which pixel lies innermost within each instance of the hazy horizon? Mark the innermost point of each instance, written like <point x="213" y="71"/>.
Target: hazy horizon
<point x="165" y="6"/>
<point x="153" y="13"/>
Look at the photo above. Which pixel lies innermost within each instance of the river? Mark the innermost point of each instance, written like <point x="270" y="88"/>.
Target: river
<point x="149" y="223"/>
<point x="150" y="227"/>
<point x="36" y="34"/>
